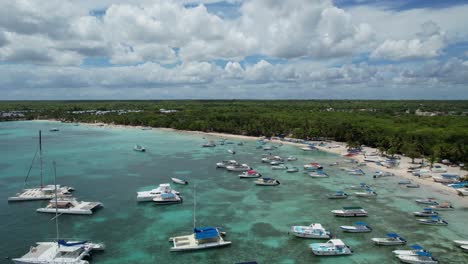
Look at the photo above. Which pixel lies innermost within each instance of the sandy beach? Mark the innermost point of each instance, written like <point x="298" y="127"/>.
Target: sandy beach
<point x="339" y="148"/>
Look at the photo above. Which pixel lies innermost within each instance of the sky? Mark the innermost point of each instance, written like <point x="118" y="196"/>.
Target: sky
<point x="233" y="49"/>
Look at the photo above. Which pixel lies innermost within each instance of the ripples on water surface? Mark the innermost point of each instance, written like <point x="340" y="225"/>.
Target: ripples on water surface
<point x="100" y="163"/>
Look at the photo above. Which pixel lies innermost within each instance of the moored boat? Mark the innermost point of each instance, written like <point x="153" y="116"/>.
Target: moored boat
<point x="318" y="174"/>
<point x="430" y="201"/>
<point x="461" y="242"/>
<point x="445" y="206"/>
<point x="337" y="195"/>
<point x="361" y="186"/>
<point x="379" y="174"/>
<point x="238" y="167"/>
<point x="392" y="239"/>
<point x="69" y="205"/>
<point x="413" y="252"/>
<point x="366" y="193"/>
<point x="462" y="191"/>
<point x="357" y="227"/>
<point x="333" y="247"/>
<point x="279" y="167"/>
<point x="250" y="174"/>
<point x="313" y="166"/>
<point x="210" y="144"/>
<point x="225" y="163"/>
<point x="139" y="148"/>
<point x="167" y="198"/>
<point x="293" y="169"/>
<point x="267" y="182"/>
<point x="292" y="158"/>
<point x="434" y="220"/>
<point x="421" y="257"/>
<point x="412" y="185"/>
<point x="310" y="231"/>
<point x="350" y="211"/>
<point x="148" y="196"/>
<point x="179" y="181"/>
<point x="427" y="212"/>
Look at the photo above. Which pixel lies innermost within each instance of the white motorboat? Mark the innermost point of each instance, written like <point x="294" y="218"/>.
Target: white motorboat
<point x="461" y="242"/>
<point x="310" y="231"/>
<point x="139" y="148"/>
<point x="350" y="211"/>
<point x="379" y="174"/>
<point x="239" y="167"/>
<point x="434" y="220"/>
<point x="392" y="239"/>
<point x="422" y="257"/>
<point x="269" y="148"/>
<point x="167" y="198"/>
<point x="430" y="200"/>
<point x="412" y="185"/>
<point x="427" y="212"/>
<point x="309" y="148"/>
<point x="413" y="252"/>
<point x="279" y="167"/>
<point x="333" y="247"/>
<point x="292" y="158"/>
<point x="445" y="206"/>
<point x="292" y="170"/>
<point x="446" y="179"/>
<point x="232" y="151"/>
<point x="313" y="166"/>
<point x="357" y="227"/>
<point x="361" y="186"/>
<point x="464" y="247"/>
<point x="267" y="182"/>
<point x="404" y="182"/>
<point x="250" y="174"/>
<point x="338" y="195"/>
<point x="201" y="238"/>
<point x="225" y="163"/>
<point x="463" y="191"/>
<point x="274" y="163"/>
<point x="179" y="181"/>
<point x="148" y="196"/>
<point x="318" y="174"/>
<point x="438" y="169"/>
<point x="70" y="205"/>
<point x="366" y="193"/>
<point x="42" y="192"/>
<point x="59" y="251"/>
<point x="373" y="159"/>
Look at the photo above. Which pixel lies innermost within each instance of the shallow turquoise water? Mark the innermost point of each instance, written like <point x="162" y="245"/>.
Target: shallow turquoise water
<point x="100" y="163"/>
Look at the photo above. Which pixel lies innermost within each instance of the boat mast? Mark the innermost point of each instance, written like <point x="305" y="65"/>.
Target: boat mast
<point x="194" y="206"/>
<point x="40" y="156"/>
<point x="56" y="202"/>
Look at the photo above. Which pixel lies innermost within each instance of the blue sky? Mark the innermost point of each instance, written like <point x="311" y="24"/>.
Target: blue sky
<point x="258" y="49"/>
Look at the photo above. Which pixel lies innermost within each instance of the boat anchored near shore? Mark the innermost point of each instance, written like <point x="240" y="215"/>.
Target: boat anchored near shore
<point x="333" y="247"/>
<point x="69" y="205"/>
<point x="310" y="231"/>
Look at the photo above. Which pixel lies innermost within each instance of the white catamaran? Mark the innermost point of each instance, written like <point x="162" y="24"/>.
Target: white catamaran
<point x="59" y="251"/>
<point x="43" y="192"/>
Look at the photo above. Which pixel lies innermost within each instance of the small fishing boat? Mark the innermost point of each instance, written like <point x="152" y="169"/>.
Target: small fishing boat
<point x="292" y="158"/>
<point x="210" y="144"/>
<point x="413" y="252"/>
<point x="269" y="148"/>
<point x="250" y="174"/>
<point x="139" y="148"/>
<point x="337" y="195"/>
<point x="318" y="174"/>
<point x="379" y="174"/>
<point x="434" y="220"/>
<point x="313" y="166"/>
<point x="412" y="185"/>
<point x="69" y="205"/>
<point x="232" y="151"/>
<point x="238" y="167"/>
<point x="267" y="182"/>
<point x="311" y="231"/>
<point x="167" y="198"/>
<point x="333" y="247"/>
<point x="438" y="169"/>
<point x="446" y="178"/>
<point x="274" y="163"/>
<point x="366" y="193"/>
<point x="148" y="196"/>
<point x="179" y="181"/>
<point x="361" y="186"/>
<point x="427" y="212"/>
<point x="293" y="169"/>
<point x="421" y="257"/>
<point x="445" y="206"/>
<point x="357" y="227"/>
<point x="462" y="191"/>
<point x="225" y="163"/>
<point x="431" y="201"/>
<point x="350" y="211"/>
<point x="279" y="167"/>
<point x="309" y="148"/>
<point x="392" y="239"/>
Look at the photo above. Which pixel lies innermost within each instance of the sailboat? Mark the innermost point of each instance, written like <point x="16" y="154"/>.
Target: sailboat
<point x="43" y="192"/>
<point x="59" y="251"/>
<point x="202" y="237"/>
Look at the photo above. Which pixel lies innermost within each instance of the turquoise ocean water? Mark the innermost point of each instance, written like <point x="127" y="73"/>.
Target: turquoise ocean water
<point x="100" y="163"/>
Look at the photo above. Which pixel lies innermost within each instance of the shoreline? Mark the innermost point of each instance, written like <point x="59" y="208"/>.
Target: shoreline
<point x="448" y="193"/>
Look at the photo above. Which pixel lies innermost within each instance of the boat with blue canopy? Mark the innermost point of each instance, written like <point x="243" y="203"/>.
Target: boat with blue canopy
<point x="434" y="220"/>
<point x="392" y="239"/>
<point x="333" y="247"/>
<point x="422" y="257"/>
<point x="167" y="198"/>
<point x="357" y="227"/>
<point x="427" y="212"/>
<point x="337" y="195"/>
<point x="413" y="252"/>
<point x="350" y="211"/>
<point x="310" y="231"/>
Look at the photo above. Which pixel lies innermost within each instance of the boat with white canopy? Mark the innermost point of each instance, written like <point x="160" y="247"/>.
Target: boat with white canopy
<point x="350" y="211"/>
<point x="69" y="205"/>
<point x="392" y="239"/>
<point x="148" y="196"/>
<point x="310" y="231"/>
<point x="250" y="174"/>
<point x="421" y="257"/>
<point x="333" y="247"/>
<point x="357" y="227"/>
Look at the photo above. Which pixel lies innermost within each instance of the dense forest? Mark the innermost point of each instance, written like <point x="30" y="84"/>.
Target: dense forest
<point x="433" y="129"/>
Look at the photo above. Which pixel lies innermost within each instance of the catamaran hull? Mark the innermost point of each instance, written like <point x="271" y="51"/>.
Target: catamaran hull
<point x="204" y="246"/>
<point x="64" y="211"/>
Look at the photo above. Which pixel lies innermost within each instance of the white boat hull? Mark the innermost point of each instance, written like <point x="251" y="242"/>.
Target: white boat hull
<point x="416" y="259"/>
<point x="461" y="242"/>
<point x="386" y="242"/>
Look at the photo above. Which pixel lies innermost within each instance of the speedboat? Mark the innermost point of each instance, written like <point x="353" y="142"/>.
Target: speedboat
<point x="428" y="212"/>
<point x="225" y="163"/>
<point x="279" y="167"/>
<point x="413" y="252"/>
<point x="445" y="206"/>
<point x="337" y="195"/>
<point x="392" y="239"/>
<point x="313" y="166"/>
<point x="179" y="181"/>
<point x="379" y="174"/>
<point x="350" y="211"/>
<point x="275" y="162"/>
<point x="356" y="172"/>
<point x="292" y="158"/>
<point x="167" y="198"/>
<point x="358" y="227"/>
<point x="148" y="196"/>
<point x="59" y="252"/>
<point x="238" y="167"/>
<point x="464" y="247"/>
<point x="232" y="151"/>
<point x="250" y="174"/>
<point x="309" y="148"/>
<point x="412" y="185"/>
<point x="446" y="178"/>
<point x="434" y="220"/>
<point x="267" y="182"/>
<point x="438" y="169"/>
<point x="461" y="242"/>
<point x="202" y="238"/>
<point x="431" y="201"/>
<point x="311" y="231"/>
<point x="366" y="193"/>
<point x="421" y="257"/>
<point x="318" y="174"/>
<point x="333" y="247"/>
<point x="69" y="205"/>
<point x="463" y="191"/>
<point x="139" y="148"/>
<point x="293" y="169"/>
<point x="361" y="186"/>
